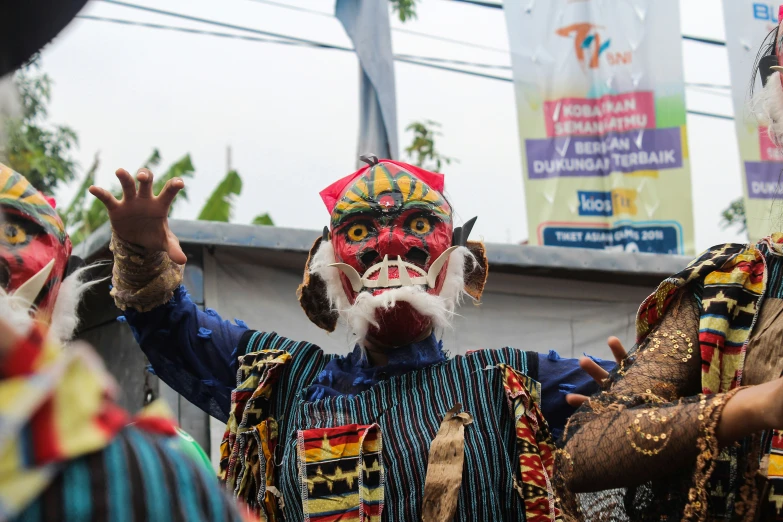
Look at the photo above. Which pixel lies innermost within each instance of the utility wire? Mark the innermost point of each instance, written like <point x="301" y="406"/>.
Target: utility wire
<point x="298" y="42"/>
<point x="407" y="58"/>
<point x="493" y="5"/>
<point x="395" y="29"/>
<point x="413" y="59"/>
<point x="188" y="30"/>
<point x="295" y="41"/>
<point x="294" y="8"/>
<point x="711" y="115"/>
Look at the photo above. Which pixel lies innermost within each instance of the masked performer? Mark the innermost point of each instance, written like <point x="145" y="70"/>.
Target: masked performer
<point x="704" y="374"/>
<point x="395" y="427"/>
<point x="67" y="451"/>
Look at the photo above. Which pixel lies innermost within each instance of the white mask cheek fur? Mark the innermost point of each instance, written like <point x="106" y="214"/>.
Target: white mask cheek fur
<point x="361" y="315"/>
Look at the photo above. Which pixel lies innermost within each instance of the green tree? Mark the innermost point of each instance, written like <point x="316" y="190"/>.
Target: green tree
<point x="734" y="216"/>
<point x="36" y="148"/>
<point x="220" y="205"/>
<point x="422" y="150"/>
<point x="405" y="9"/>
<point x="41" y="152"/>
<point x="264" y="220"/>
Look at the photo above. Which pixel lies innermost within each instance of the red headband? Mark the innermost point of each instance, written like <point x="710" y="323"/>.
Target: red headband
<point x="332" y="194"/>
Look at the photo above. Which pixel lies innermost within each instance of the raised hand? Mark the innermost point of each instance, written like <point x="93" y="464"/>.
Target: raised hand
<point x="595" y="371"/>
<point x="141" y="217"/>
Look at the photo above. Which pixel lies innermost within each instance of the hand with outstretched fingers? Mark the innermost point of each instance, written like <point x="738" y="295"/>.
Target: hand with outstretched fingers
<point x="141" y="217"/>
<point x="595" y="371"/>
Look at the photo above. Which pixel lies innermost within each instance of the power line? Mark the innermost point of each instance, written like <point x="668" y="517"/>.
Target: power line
<point x="422" y="61"/>
<point x="711" y="115"/>
<point x="289" y="40"/>
<point x="395" y="29"/>
<point x="227" y="26"/>
<point x="493" y="5"/>
<point x="412" y="59"/>
<point x="187" y="30"/>
<point x="708" y="41"/>
<point x="294" y="8"/>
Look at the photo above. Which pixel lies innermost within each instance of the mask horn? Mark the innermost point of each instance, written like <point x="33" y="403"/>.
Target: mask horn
<point x="32" y="287"/>
<point x="460" y="235"/>
<point x="467" y="228"/>
<point x="325" y="237"/>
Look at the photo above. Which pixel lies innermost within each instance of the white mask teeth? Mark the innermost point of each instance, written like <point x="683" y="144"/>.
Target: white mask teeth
<point x="383" y="277"/>
<point x="405" y="278"/>
<point x="361" y="282"/>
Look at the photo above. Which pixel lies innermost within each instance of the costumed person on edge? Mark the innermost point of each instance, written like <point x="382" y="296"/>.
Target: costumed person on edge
<point x="67" y="450"/>
<point x="394" y="430"/>
<point x="687" y="427"/>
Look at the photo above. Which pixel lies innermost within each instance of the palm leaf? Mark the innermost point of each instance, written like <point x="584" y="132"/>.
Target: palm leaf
<point x="181" y="169"/>
<point x="220" y="205"/>
<point x="153" y="161"/>
<point x="263" y="219"/>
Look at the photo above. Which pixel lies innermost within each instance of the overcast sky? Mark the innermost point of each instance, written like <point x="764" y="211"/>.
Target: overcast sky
<point x="290" y="114"/>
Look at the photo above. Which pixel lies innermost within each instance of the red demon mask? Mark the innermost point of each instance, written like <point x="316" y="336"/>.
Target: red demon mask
<point x="34" y="248"/>
<point x="391" y="227"/>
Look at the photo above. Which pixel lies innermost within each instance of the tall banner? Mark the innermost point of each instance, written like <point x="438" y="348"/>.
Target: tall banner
<point x="747" y="24"/>
<point x="601" y="109"/>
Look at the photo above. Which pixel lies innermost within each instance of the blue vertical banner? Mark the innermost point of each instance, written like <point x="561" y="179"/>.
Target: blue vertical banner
<point x="367" y="24"/>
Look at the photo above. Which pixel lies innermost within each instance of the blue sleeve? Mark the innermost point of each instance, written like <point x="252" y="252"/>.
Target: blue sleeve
<point x="194" y="352"/>
<point x="559" y="377"/>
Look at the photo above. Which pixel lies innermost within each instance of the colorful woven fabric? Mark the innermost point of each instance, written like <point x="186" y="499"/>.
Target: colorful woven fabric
<point x="774" y="507"/>
<point x="733" y="279"/>
<point x="534" y="445"/>
<point x="68" y="452"/>
<point x="63" y="400"/>
<point x="341" y="471"/>
<point x="247" y="449"/>
<point x="138" y="477"/>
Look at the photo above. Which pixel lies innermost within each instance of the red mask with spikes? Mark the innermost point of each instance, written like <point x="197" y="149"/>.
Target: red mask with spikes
<point x="391" y="227"/>
<point x="34" y="248"/>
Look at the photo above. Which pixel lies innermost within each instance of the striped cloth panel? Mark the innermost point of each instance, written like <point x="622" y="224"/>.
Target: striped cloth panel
<point x="138" y="477"/>
<point x="409" y="410"/>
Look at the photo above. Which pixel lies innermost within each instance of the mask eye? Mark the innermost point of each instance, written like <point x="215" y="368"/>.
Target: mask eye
<point x="12" y="234"/>
<point x="357" y="232"/>
<point x="420" y="226"/>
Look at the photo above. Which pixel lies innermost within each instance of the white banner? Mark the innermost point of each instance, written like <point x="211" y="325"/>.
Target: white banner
<point x="601" y="110"/>
<point x="747" y="24"/>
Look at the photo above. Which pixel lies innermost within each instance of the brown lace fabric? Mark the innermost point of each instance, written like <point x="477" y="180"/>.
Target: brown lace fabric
<point x="141" y="279"/>
<point x="644" y="448"/>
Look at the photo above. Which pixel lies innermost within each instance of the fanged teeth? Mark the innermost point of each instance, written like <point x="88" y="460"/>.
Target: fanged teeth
<point x="429" y="278"/>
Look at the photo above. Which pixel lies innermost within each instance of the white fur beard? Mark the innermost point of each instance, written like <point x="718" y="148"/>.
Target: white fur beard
<point x="768" y="108"/>
<point x="359" y="316"/>
<point x="20" y="317"/>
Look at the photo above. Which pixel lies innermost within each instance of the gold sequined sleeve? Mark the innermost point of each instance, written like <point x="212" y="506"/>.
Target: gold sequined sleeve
<point x="142" y="280"/>
<point x="648" y="426"/>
